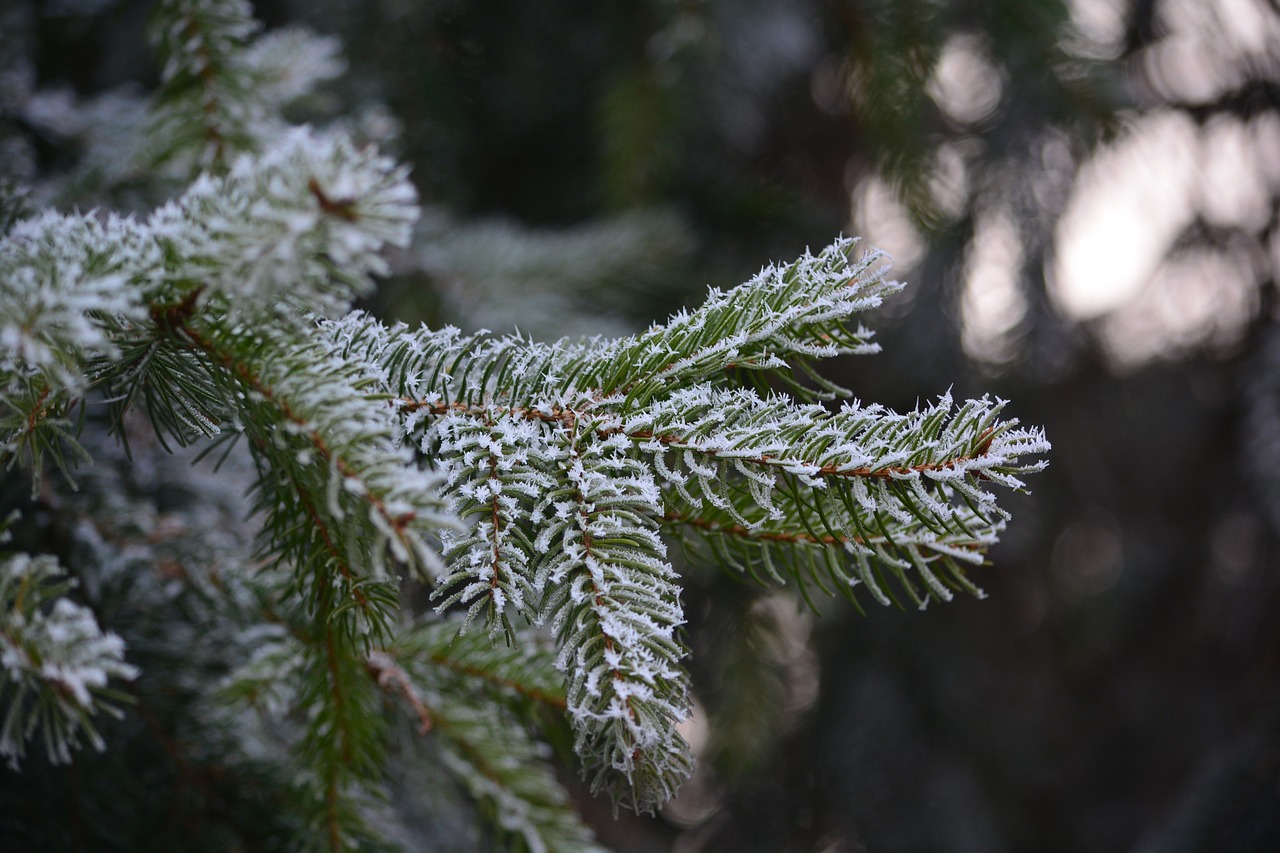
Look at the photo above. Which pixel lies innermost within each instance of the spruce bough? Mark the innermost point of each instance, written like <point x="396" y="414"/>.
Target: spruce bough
<point x="534" y="487"/>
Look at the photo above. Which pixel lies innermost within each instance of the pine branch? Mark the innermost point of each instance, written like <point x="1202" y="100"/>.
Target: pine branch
<point x="333" y="442"/>
<point x="507" y="773"/>
<point x="791" y="313"/>
<point x="57" y="662"/>
<point x="498" y="469"/>
<point x="315" y="434"/>
<point x="293" y="232"/>
<point x="345" y="740"/>
<point x="223" y="86"/>
<point x="902" y="489"/>
<point x="773" y="550"/>
<point x="781" y="490"/>
<point x="611" y="596"/>
<point x="306" y="667"/>
<point x="466" y="687"/>
<point x="305" y="672"/>
<point x="61" y="295"/>
<point x="206" y="107"/>
<point x="287" y="64"/>
<point x="62" y="278"/>
<point x="896" y="492"/>
<point x="521" y="669"/>
<point x="288" y="233"/>
<point x="868" y="443"/>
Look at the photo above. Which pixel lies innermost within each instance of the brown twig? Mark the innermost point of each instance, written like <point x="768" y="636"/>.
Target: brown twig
<point x="392" y="678"/>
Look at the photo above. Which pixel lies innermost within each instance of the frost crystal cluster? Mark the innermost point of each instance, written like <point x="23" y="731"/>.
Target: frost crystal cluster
<point x="532" y="487"/>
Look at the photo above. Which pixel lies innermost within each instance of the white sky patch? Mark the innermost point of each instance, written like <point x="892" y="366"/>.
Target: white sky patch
<point x="966" y="85"/>
<point x="1210" y="46"/>
<point x="884" y="222"/>
<point x="1098" y="27"/>
<point x="1264" y="132"/>
<point x="1183" y="68"/>
<point x="993" y="304"/>
<point x="1116" y="241"/>
<point x="1234" y="191"/>
<point x="1197" y="298"/>
<point x="1129" y="204"/>
<point x="1222" y="26"/>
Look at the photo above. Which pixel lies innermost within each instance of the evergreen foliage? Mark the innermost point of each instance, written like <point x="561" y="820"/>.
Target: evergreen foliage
<point x="529" y="484"/>
<point x="57" y="661"/>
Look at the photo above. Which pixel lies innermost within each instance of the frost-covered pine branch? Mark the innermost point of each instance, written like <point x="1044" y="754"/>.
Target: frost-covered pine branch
<point x="533" y="487"/>
<point x="57" y="662"/>
<point x="222" y="90"/>
<point x="565" y="459"/>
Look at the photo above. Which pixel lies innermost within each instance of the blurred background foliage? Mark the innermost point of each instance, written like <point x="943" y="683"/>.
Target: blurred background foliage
<point x="1084" y="195"/>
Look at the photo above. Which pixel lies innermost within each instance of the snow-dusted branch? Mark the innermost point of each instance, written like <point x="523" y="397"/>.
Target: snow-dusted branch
<point x="467" y="686"/>
<point x="297" y="231"/>
<point x="221" y="89"/>
<point x="613" y="600"/>
<point x="595" y="445"/>
<point x="309" y="408"/>
<point x="56" y="662"/>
